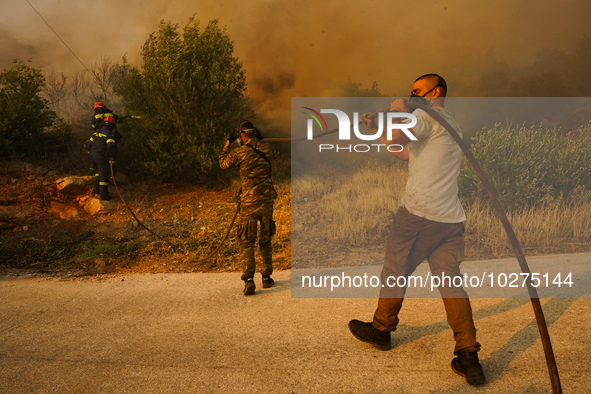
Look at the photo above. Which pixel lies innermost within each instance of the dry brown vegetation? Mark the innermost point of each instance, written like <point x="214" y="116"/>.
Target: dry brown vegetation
<point x="339" y="220"/>
<point x="347" y="217"/>
<point x="193" y="219"/>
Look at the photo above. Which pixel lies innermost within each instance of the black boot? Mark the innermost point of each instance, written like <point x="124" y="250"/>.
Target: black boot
<point x="367" y="333"/>
<point x="104" y="193"/>
<point x="467" y="365"/>
<point x="267" y="281"/>
<point x="95" y="184"/>
<point x="249" y="286"/>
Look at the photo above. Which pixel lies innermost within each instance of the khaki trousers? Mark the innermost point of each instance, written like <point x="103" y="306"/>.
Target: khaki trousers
<point x="413" y="239"/>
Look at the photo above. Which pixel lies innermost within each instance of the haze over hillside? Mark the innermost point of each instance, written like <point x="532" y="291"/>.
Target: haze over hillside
<point x="300" y="49"/>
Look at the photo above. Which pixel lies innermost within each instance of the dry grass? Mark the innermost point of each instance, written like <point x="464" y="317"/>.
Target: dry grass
<point x="556" y="228"/>
<point x="282" y="217"/>
<point x="355" y="210"/>
<point x="352" y="207"/>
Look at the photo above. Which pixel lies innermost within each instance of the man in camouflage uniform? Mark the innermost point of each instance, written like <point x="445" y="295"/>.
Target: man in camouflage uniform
<point x="256" y="200"/>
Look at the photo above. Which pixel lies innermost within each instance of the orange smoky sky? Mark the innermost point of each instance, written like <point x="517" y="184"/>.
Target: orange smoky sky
<point x="312" y="48"/>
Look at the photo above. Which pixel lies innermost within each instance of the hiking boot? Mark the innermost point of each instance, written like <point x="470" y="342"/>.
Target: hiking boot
<point x="267" y="282"/>
<point x="367" y="333"/>
<point x="467" y="365"/>
<point x="104" y="193"/>
<point x="249" y="286"/>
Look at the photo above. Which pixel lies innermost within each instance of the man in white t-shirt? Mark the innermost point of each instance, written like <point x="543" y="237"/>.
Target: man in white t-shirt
<point x="428" y="225"/>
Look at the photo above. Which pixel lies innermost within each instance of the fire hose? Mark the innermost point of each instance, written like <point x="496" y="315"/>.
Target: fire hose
<point x="111" y="165"/>
<point x="550" y="360"/>
<point x="533" y="294"/>
<point x="133" y="214"/>
<point x="164" y="240"/>
<point x="225" y="236"/>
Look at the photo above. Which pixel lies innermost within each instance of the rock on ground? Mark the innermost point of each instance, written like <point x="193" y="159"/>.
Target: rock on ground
<point x="73" y="184"/>
<point x="95" y="206"/>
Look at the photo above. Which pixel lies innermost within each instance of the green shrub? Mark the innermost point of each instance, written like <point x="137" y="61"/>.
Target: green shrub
<point x="529" y="166"/>
<point x="24" y="114"/>
<point x="187" y="96"/>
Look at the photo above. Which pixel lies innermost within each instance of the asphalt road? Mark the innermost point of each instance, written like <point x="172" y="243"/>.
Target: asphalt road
<point x="198" y="333"/>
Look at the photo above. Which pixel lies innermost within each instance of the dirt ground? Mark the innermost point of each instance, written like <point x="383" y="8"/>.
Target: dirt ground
<point x="44" y="232"/>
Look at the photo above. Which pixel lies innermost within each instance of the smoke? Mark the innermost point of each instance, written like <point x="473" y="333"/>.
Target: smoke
<point x="17" y="49"/>
<point x="296" y="49"/>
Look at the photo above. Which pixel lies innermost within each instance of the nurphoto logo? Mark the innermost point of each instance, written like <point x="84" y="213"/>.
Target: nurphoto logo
<point x="345" y="125"/>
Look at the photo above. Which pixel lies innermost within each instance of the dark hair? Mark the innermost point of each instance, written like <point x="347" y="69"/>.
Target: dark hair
<point x="440" y="83"/>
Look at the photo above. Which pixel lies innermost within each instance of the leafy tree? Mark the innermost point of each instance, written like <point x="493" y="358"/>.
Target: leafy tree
<point x="188" y="94"/>
<point x="24" y="114"/>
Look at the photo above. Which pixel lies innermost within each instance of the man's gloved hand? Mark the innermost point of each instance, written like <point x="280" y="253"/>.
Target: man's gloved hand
<point x="233" y="136"/>
<point x="258" y="134"/>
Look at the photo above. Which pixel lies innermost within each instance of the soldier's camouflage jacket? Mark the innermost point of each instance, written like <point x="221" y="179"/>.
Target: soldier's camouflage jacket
<point x="255" y="170"/>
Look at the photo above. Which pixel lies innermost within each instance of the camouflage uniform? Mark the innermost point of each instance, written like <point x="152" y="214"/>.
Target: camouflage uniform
<point x="256" y="202"/>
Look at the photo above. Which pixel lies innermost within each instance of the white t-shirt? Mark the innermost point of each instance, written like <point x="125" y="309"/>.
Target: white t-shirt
<point x="433" y="167"/>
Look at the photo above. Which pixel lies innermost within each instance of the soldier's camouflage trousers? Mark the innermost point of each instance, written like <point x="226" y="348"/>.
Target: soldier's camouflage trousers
<point x="253" y="219"/>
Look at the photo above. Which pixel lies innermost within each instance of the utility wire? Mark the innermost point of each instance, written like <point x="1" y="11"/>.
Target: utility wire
<point x="98" y="82"/>
<point x="112" y="173"/>
<point x="63" y="42"/>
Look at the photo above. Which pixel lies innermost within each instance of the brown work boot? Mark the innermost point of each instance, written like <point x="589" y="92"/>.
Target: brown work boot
<point x="249" y="286"/>
<point x="367" y="333"/>
<point x="268" y="282"/>
<point x="467" y="365"/>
